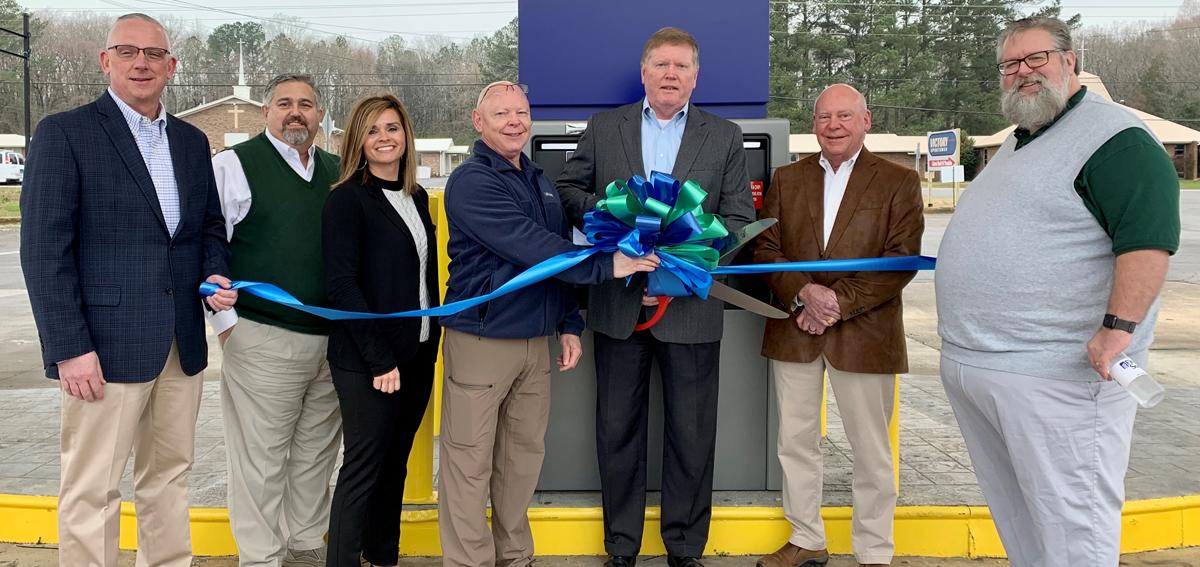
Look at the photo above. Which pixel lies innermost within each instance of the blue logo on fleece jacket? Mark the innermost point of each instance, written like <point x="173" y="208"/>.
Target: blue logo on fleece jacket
<point x="504" y="220"/>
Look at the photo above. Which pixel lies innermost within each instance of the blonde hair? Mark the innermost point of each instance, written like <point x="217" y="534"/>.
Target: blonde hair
<point x="671" y="36"/>
<point x="362" y="117"/>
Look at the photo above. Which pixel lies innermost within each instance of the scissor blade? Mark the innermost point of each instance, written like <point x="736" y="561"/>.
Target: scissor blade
<point x="744" y="235"/>
<point x="735" y="297"/>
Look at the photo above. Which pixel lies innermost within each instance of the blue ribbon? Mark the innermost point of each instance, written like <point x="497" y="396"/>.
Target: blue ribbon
<point x="553" y="266"/>
<point x="683" y="248"/>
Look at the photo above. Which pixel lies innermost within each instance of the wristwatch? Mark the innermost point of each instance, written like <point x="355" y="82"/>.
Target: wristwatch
<point x="1112" y="322"/>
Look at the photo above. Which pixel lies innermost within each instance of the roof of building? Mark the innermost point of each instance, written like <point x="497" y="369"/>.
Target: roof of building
<point x="435" y="145"/>
<point x="12" y="140"/>
<point x="459" y="150"/>
<point x="1168" y="132"/>
<point x="231" y="99"/>
<point x="876" y="143"/>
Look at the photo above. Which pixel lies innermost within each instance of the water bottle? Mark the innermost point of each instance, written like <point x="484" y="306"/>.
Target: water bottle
<point x="1140" y="385"/>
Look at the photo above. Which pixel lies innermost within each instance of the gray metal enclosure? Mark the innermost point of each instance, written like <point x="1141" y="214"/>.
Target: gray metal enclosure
<point x="747" y="417"/>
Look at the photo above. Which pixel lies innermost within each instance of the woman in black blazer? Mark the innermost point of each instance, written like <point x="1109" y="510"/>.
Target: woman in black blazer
<point x="380" y="256"/>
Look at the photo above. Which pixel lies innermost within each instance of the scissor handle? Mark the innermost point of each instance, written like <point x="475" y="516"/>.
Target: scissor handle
<point x="663" y="301"/>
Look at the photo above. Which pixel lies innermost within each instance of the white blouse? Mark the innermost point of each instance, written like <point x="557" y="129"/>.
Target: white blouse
<point x="407" y="209"/>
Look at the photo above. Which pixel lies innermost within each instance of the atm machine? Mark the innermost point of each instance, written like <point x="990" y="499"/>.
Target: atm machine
<point x="745" y="446"/>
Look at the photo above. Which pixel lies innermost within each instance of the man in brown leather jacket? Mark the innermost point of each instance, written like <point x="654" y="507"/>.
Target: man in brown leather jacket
<point x="842" y="203"/>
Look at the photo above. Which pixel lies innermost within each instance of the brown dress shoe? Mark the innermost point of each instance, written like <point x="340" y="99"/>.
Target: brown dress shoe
<point x="792" y="556"/>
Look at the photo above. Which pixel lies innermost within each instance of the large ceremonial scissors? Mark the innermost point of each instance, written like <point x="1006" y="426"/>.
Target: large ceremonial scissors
<point x="732" y="243"/>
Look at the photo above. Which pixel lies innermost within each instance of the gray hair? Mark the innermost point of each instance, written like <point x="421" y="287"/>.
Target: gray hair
<point x="142" y="17"/>
<point x="1059" y="31"/>
<point x="287" y="78"/>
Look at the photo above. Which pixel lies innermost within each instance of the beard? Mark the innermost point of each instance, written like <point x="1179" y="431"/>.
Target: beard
<point x="295" y="136"/>
<point x="1031" y="111"/>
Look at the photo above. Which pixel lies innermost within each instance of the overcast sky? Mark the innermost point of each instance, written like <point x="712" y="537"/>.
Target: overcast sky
<point x="457" y="19"/>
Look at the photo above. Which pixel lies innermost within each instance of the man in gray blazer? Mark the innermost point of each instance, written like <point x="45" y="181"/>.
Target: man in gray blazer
<point x="662" y="132"/>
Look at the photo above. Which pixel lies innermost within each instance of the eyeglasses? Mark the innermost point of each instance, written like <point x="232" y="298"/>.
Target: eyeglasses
<point x="506" y="86"/>
<point x="1033" y="61"/>
<point x="129" y="52"/>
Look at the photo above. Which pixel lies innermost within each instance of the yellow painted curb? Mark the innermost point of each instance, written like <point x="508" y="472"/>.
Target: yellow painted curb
<point x="930" y="531"/>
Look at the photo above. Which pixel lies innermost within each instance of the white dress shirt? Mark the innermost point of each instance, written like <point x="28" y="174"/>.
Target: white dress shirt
<point x="835" y="190"/>
<point x="234" y="190"/>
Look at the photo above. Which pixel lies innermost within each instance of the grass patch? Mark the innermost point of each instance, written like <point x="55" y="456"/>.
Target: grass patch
<point x="10" y="201"/>
<point x="1189" y="184"/>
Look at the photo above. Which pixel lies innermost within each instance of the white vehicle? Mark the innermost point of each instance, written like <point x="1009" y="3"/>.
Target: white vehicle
<point x="12" y="170"/>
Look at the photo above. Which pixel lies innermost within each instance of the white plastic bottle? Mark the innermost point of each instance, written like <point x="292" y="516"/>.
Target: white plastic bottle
<point x="1136" y="381"/>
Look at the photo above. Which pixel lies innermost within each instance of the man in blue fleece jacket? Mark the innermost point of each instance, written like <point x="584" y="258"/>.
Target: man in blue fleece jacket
<point x="505" y="216"/>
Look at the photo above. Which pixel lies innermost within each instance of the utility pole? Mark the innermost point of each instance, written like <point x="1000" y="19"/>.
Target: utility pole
<point x="24" y="54"/>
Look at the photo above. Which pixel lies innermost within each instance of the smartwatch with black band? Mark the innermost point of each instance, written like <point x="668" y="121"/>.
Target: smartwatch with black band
<point x="1112" y="322"/>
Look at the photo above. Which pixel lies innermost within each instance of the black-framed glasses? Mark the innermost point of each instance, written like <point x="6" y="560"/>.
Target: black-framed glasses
<point x="130" y="52"/>
<point x="506" y="86"/>
<point x="1033" y="61"/>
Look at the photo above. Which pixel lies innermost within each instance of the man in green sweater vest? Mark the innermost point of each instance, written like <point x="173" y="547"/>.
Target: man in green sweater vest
<point x="283" y="425"/>
<point x="1050" y="271"/>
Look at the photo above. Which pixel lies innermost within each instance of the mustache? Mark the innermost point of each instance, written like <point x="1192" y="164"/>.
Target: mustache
<point x="296" y="120"/>
<point x="1032" y="79"/>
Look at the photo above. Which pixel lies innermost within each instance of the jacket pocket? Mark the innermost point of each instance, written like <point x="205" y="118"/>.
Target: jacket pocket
<point x="101" y="295"/>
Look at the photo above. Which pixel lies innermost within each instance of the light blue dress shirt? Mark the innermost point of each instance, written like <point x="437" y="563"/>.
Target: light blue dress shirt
<point x="151" y="137"/>
<point x="660" y="144"/>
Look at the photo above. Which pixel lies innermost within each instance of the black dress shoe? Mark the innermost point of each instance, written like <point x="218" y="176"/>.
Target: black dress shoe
<point x="673" y="561"/>
<point x="621" y="561"/>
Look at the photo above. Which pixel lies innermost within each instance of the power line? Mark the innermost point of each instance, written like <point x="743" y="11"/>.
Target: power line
<point x="899" y="107"/>
<point x="290" y="8"/>
<point x="224" y="85"/>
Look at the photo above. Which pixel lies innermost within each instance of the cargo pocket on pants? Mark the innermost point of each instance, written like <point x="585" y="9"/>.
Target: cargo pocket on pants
<point x="468" y="414"/>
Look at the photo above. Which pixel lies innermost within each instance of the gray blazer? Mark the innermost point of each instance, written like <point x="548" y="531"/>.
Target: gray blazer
<point x="711" y="154"/>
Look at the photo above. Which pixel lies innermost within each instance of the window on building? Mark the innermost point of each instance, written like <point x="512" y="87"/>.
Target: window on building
<point x="1179" y="150"/>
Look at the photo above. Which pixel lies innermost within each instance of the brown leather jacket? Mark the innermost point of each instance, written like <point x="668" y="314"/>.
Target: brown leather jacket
<point x="880" y="215"/>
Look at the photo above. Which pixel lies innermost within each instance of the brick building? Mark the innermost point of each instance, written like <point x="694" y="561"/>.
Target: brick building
<point x="1179" y="141"/>
<point x="903" y="150"/>
<point x="440" y="155"/>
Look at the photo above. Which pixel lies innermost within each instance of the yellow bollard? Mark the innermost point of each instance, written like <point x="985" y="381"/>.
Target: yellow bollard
<point x="443" y="238"/>
<point x="418" y="487"/>
<point x="894" y="434"/>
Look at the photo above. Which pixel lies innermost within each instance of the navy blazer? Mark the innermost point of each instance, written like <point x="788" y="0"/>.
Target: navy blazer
<point x="103" y="272"/>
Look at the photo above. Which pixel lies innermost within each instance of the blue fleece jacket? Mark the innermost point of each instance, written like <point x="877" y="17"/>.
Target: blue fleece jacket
<point x="504" y="220"/>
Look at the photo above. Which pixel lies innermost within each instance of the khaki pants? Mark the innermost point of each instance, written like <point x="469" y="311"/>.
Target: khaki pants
<point x="495" y="407"/>
<point x="283" y="428"/>
<point x="155" y="420"/>
<point x="865" y="403"/>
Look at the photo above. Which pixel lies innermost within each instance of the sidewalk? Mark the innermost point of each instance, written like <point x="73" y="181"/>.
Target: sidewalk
<point x="47" y="556"/>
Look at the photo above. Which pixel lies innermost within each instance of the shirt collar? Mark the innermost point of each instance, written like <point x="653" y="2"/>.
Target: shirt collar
<point x="850" y="162"/>
<point x="134" y="119"/>
<point x="286" y="150"/>
<point x="1024" y="136"/>
<point x="649" y="112"/>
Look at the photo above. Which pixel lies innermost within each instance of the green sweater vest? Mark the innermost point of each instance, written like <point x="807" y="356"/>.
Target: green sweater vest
<point x="279" y="241"/>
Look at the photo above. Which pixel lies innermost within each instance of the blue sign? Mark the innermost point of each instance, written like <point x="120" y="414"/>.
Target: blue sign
<point x="579" y="58"/>
<point x="943" y="144"/>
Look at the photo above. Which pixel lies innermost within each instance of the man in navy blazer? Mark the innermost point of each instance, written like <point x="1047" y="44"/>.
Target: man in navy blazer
<point x="120" y="224"/>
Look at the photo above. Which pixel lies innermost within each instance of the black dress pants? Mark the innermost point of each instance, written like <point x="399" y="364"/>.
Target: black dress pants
<point x="690" y="383"/>
<point x="378" y="431"/>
